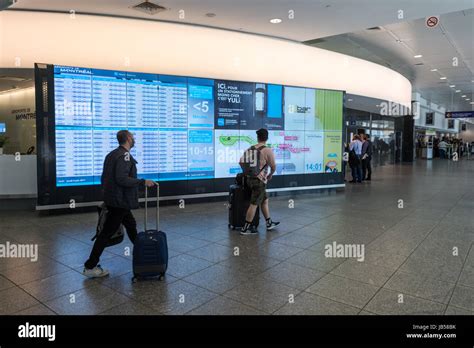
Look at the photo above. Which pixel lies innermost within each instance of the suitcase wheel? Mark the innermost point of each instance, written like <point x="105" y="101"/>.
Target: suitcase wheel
<point x="162" y="275"/>
<point x="134" y="279"/>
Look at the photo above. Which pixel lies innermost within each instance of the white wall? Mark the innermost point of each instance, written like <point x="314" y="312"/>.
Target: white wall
<point x="18" y="176"/>
<point x="16" y="110"/>
<point x="170" y="48"/>
<point x="468" y="135"/>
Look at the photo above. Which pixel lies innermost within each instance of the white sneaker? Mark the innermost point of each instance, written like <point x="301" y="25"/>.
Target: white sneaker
<point x="96" y="272"/>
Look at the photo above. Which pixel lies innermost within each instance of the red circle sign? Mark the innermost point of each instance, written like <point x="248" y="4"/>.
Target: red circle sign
<point x="432" y="21"/>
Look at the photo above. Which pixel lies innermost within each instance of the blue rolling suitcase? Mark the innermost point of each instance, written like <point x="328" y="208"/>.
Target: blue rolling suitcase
<point x="150" y="250"/>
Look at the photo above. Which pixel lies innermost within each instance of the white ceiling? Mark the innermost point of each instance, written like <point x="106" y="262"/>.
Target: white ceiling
<point x="452" y="38"/>
<point x="312" y="18"/>
<point x="331" y="19"/>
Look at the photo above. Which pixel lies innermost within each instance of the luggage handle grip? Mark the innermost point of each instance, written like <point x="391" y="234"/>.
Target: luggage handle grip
<point x="157" y="207"/>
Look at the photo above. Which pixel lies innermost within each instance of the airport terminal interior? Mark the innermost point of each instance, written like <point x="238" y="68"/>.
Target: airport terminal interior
<point x="369" y="117"/>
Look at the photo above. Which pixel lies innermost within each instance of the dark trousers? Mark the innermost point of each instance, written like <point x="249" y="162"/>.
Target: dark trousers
<point x="356" y="170"/>
<point x="366" y="168"/>
<point x="115" y="217"/>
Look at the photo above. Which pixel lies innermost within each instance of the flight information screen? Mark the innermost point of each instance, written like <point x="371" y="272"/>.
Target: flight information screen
<point x="189" y="128"/>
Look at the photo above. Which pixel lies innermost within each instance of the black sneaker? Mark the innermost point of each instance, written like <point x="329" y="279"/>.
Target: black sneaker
<point x="272" y="224"/>
<point x="252" y="230"/>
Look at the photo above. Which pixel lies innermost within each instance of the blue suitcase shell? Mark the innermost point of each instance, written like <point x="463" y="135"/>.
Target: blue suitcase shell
<point x="150" y="254"/>
<point x="150" y="249"/>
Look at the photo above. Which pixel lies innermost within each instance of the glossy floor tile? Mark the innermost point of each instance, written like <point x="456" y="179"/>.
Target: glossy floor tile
<point x="417" y="259"/>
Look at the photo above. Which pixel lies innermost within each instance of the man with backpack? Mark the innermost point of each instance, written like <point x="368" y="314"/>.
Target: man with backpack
<point x="255" y="163"/>
<point x="120" y="186"/>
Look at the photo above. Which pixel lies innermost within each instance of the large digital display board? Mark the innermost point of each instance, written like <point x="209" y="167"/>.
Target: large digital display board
<point x="186" y="128"/>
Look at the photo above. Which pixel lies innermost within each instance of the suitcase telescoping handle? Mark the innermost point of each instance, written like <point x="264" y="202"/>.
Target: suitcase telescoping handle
<point x="157" y="207"/>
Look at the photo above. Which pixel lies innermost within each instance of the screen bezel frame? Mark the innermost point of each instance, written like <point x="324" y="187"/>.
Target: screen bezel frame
<point x="51" y="196"/>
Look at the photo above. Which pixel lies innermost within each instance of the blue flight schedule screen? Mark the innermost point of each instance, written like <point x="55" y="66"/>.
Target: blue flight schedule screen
<point x="200" y="103"/>
<point x="171" y="117"/>
<point x="201" y="153"/>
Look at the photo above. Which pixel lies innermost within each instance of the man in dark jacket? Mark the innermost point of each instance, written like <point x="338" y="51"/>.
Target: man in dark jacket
<point x="120" y="187"/>
<point x="366" y="158"/>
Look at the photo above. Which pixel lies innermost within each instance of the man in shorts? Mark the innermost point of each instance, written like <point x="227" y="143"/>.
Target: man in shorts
<point x="258" y="183"/>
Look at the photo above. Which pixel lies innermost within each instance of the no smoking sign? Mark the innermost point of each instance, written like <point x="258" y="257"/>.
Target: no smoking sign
<point x="432" y="21"/>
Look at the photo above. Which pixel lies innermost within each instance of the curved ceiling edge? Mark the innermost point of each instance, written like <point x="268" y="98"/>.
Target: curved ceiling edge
<point x="168" y="48"/>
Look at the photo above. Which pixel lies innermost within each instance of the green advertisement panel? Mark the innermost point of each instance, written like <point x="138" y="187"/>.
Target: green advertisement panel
<point x="329" y="112"/>
<point x="332" y="152"/>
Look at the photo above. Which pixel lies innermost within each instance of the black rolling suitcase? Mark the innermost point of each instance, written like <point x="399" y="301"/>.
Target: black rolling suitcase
<point x="150" y="250"/>
<point x="239" y="201"/>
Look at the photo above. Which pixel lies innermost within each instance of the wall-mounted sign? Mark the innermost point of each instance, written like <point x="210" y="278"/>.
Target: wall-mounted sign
<point x="24" y="114"/>
<point x="459" y="114"/>
<point x="464" y="127"/>
<point x="429" y="120"/>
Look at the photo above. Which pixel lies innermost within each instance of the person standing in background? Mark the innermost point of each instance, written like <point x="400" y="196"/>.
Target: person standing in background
<point x="443" y="145"/>
<point x="366" y="158"/>
<point x="356" y="147"/>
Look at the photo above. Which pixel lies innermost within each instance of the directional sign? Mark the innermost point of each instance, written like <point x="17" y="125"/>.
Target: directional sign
<point x="459" y="114"/>
<point x="432" y="21"/>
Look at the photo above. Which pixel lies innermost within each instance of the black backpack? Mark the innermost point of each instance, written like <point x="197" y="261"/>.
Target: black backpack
<point x="251" y="161"/>
<point x="117" y="237"/>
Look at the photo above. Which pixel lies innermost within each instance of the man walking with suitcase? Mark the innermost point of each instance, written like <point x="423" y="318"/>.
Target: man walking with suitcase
<point x="255" y="163"/>
<point x="120" y="187"/>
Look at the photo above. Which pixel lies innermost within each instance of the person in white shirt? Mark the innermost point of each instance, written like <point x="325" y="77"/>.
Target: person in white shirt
<point x="442" y="148"/>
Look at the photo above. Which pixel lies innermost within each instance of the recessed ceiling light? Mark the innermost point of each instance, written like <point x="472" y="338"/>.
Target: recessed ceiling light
<point x="471" y="103"/>
<point x="210" y="15"/>
<point x="467" y="99"/>
<point x="349" y="99"/>
<point x="275" y="20"/>
<point x="457" y="91"/>
<point x="463" y="96"/>
<point x="434" y="70"/>
<point x="442" y="78"/>
<point x="452" y="86"/>
<point x="418" y="56"/>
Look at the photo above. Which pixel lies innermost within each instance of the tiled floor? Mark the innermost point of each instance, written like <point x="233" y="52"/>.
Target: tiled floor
<point x="418" y="259"/>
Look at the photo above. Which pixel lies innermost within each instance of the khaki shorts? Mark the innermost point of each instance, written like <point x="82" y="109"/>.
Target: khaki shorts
<point x="259" y="192"/>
